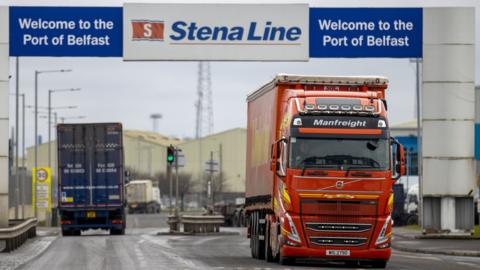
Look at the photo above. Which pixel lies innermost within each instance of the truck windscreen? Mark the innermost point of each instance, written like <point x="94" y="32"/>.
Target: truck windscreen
<point x="339" y="154"/>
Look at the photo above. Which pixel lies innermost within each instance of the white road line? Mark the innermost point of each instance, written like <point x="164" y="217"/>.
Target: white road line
<point x="419" y="257"/>
<point x="140" y="257"/>
<point x="468" y="264"/>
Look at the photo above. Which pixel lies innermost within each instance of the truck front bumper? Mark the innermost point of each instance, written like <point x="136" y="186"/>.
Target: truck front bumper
<point x="355" y="254"/>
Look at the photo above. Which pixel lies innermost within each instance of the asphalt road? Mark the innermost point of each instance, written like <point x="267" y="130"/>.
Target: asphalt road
<point x="142" y="249"/>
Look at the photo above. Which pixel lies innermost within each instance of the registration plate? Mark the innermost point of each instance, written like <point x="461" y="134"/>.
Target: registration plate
<point x="91" y="214"/>
<point x="337" y="252"/>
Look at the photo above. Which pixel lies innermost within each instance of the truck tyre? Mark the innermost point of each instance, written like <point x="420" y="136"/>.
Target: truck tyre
<point x="76" y="232"/>
<point x="268" y="249"/>
<point x="252" y="235"/>
<point x="260" y="246"/>
<point x="66" y="233"/>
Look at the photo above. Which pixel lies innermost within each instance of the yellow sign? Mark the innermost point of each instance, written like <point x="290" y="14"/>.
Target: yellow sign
<point x="41" y="188"/>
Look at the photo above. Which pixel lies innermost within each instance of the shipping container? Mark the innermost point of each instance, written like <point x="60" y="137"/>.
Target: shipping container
<point x="91" y="177"/>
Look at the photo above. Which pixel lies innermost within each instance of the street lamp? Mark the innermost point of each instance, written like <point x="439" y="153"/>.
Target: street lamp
<point x="62" y="119"/>
<point x="50" y="92"/>
<point x="38" y="72"/>
<point x="54" y="108"/>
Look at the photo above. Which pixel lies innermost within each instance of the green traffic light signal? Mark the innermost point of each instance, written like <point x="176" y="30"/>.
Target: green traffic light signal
<point x="170" y="154"/>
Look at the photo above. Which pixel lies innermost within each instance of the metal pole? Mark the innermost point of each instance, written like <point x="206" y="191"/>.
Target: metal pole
<point x="36" y="142"/>
<point x="50" y="150"/>
<point x="212" y="186"/>
<point x="419" y="143"/>
<point x="17" y="125"/>
<point x="170" y="192"/>
<point x="176" y="182"/>
<point x="24" y="170"/>
<point x="220" y="168"/>
<point x="408" y="153"/>
<point x="49" y="128"/>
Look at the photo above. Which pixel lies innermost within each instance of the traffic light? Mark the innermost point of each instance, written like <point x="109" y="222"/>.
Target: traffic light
<point x="170" y="154"/>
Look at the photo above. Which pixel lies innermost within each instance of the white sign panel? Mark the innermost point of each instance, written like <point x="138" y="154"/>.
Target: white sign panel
<point x="216" y="32"/>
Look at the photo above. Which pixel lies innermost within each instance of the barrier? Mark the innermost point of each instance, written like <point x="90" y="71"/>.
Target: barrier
<point x="16" y="235"/>
<point x="202" y="224"/>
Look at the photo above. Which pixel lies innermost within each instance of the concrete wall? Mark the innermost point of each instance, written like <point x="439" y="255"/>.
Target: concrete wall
<point x="197" y="152"/>
<point x="447" y="114"/>
<point x="4" y="98"/>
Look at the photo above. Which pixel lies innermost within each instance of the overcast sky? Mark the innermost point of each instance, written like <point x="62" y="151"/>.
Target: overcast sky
<point x="128" y="92"/>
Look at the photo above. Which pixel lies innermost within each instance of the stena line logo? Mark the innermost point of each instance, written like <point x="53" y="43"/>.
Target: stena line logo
<point x="193" y="33"/>
<point x="152" y="30"/>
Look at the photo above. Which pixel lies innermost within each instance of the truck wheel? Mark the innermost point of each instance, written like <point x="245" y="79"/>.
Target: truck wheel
<point x="268" y="249"/>
<point x="260" y="246"/>
<point x="76" y="232"/>
<point x="252" y="235"/>
<point x="66" y="233"/>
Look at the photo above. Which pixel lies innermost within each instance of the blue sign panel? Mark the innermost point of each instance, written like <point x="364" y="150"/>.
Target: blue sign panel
<point x="366" y="32"/>
<point x="66" y="31"/>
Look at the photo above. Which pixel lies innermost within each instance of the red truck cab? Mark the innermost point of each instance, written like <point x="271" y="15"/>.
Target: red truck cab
<point x="320" y="168"/>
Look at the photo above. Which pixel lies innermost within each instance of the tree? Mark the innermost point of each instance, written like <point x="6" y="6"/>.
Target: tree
<point x="184" y="185"/>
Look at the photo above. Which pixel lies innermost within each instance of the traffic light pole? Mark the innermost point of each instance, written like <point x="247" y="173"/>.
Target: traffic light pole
<point x="176" y="182"/>
<point x="170" y="195"/>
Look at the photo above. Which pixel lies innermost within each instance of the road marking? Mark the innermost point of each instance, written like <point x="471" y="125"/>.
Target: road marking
<point x="418" y="257"/>
<point x="171" y="255"/>
<point x="140" y="257"/>
<point x="468" y="264"/>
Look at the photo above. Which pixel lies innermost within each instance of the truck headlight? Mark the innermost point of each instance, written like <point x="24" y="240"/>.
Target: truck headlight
<point x="384" y="235"/>
<point x="292" y="234"/>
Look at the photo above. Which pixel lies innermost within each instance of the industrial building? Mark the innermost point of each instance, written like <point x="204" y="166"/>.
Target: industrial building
<point x="227" y="149"/>
<point x="144" y="152"/>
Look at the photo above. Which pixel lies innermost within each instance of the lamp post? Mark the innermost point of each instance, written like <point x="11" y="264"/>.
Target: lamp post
<point x="62" y="119"/>
<point x="23" y="179"/>
<point x="50" y="92"/>
<point x="38" y="72"/>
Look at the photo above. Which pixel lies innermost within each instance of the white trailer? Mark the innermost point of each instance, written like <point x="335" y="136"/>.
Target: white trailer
<point x="143" y="197"/>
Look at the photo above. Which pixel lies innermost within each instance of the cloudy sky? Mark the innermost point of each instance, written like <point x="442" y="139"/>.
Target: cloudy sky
<point x="128" y="92"/>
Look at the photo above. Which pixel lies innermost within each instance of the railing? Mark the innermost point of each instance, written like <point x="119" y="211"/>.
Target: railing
<point x="196" y="224"/>
<point x="16" y="235"/>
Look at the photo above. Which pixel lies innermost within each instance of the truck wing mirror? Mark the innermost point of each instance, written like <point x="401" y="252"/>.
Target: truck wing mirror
<point x="273" y="157"/>
<point x="281" y="161"/>
<point x="401" y="152"/>
<point x="399" y="162"/>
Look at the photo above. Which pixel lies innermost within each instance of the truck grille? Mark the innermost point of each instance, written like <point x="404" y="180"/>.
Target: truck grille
<point x="339" y="207"/>
<point x="338" y="241"/>
<point x="337" y="227"/>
